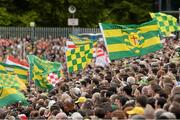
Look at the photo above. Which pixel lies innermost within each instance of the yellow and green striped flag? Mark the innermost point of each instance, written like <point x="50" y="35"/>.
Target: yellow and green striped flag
<point x="74" y="37"/>
<point x="10" y="86"/>
<point x="79" y="41"/>
<point x="167" y="23"/>
<point x="131" y="40"/>
<point x="21" y="72"/>
<point x="79" y="57"/>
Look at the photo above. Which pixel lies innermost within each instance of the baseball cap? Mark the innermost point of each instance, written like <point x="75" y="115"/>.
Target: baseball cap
<point x="136" y="110"/>
<point x="81" y="100"/>
<point x="22" y="117"/>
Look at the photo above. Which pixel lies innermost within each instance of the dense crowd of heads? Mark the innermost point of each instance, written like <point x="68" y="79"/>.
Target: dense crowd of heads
<point x="131" y="88"/>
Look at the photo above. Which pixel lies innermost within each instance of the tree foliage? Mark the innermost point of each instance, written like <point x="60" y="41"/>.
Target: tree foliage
<point x="89" y="12"/>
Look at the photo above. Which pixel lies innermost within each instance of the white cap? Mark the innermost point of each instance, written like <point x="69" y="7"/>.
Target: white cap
<point x="131" y="80"/>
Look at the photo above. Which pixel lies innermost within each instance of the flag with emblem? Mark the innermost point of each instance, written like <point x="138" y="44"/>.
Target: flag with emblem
<point x="10" y="86"/>
<point x="21" y="72"/>
<point x="167" y="23"/>
<point x="40" y="69"/>
<point x="131" y="40"/>
<point x="53" y="78"/>
<point x="79" y="57"/>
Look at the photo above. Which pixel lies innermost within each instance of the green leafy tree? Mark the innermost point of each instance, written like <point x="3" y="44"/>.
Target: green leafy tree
<point x="54" y="13"/>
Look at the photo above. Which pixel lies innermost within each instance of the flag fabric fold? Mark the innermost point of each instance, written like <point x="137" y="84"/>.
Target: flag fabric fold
<point x="70" y="45"/>
<point x="79" y="57"/>
<point x="16" y="61"/>
<point x="10" y="87"/>
<point x="21" y="72"/>
<point x="131" y="40"/>
<point x="40" y="69"/>
<point x="167" y="23"/>
<point x="78" y="41"/>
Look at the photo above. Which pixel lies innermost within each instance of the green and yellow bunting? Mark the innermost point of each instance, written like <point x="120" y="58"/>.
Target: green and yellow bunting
<point x="131" y="40"/>
<point x="21" y="72"/>
<point x="79" y="57"/>
<point x="40" y="69"/>
<point x="166" y="23"/>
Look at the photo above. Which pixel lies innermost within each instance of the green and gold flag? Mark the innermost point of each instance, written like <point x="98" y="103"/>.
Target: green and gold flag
<point x="79" y="41"/>
<point x="131" y="40"/>
<point x="167" y="23"/>
<point x="74" y="37"/>
<point x="79" y="57"/>
<point x="21" y="72"/>
<point x="40" y="69"/>
<point x="11" y="81"/>
<point x="10" y="86"/>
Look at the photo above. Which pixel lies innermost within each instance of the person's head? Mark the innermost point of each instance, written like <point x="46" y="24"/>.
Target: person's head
<point x="61" y="116"/>
<point x="96" y="97"/>
<point x="34" y="114"/>
<point x="127" y="90"/>
<point x="175" y="93"/>
<point x="99" y="112"/>
<point x="160" y="102"/>
<point x="87" y="105"/>
<point x="138" y="117"/>
<point x="131" y="80"/>
<point x="76" y="116"/>
<point x="167" y="116"/>
<point x="136" y="111"/>
<point x="118" y="114"/>
<point x="175" y="108"/>
<point x="2" y="114"/>
<point x="151" y="101"/>
<point x="158" y="113"/>
<point x="141" y="101"/>
<point x="149" y="112"/>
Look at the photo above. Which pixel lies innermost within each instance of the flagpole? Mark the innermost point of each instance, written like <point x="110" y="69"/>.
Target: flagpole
<point x="104" y="38"/>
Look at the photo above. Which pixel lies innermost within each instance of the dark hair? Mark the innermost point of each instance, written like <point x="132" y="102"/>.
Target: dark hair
<point x="162" y="93"/>
<point x="156" y="88"/>
<point x="123" y="100"/>
<point x="55" y="112"/>
<point x="128" y="90"/>
<point x="99" y="112"/>
<point x="151" y="101"/>
<point x="54" y="107"/>
<point x="161" y="101"/>
<point x="142" y="100"/>
<point x="113" y="89"/>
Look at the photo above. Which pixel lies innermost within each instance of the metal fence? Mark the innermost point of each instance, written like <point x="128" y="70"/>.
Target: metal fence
<point x="38" y="32"/>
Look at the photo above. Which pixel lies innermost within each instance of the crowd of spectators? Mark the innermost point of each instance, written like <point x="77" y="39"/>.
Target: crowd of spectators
<point x="132" y="88"/>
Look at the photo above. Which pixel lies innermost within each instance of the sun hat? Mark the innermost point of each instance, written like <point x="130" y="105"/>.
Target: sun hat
<point x="81" y="100"/>
<point x="136" y="110"/>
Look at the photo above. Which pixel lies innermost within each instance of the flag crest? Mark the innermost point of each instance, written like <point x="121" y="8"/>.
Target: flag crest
<point x="131" y="40"/>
